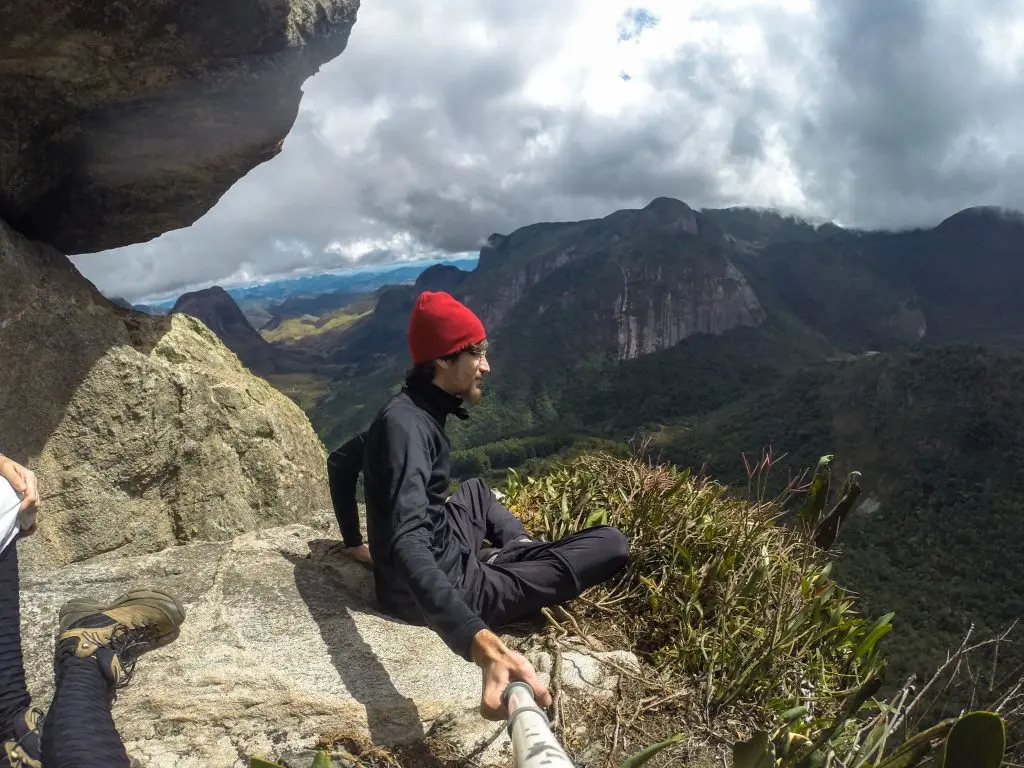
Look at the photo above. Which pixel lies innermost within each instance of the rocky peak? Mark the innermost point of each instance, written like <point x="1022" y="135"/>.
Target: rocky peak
<point x="441" y="277"/>
<point x="672" y="214"/>
<point x="119" y="122"/>
<point x="222" y="315"/>
<point x="663" y="214"/>
<point x="492" y="251"/>
<point x="654" y="242"/>
<point x="981" y="220"/>
<point x="215" y="307"/>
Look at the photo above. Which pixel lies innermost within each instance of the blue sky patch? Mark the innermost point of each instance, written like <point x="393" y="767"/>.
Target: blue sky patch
<point x="634" y="22"/>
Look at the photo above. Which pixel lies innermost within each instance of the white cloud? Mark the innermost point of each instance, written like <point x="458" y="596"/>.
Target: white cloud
<point x="446" y="121"/>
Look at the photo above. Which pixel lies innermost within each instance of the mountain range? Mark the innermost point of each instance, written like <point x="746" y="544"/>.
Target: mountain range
<point x="291" y="289"/>
<point x="664" y="311"/>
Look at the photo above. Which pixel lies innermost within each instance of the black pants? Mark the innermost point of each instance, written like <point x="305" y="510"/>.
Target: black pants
<point x="79" y="728"/>
<point x="524" y="578"/>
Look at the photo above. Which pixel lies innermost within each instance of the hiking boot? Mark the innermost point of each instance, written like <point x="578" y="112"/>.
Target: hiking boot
<point x="25" y="750"/>
<point x="116" y="634"/>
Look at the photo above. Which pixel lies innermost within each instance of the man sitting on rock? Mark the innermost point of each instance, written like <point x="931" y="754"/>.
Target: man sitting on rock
<point x="97" y="647"/>
<point x="430" y="562"/>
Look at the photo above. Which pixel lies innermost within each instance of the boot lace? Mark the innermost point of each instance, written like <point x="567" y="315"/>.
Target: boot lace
<point x="128" y="643"/>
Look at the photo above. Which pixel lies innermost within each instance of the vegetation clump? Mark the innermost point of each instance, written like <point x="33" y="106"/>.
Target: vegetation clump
<point x="716" y="591"/>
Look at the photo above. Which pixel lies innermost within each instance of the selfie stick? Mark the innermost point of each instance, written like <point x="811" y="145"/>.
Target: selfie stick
<point x="533" y="743"/>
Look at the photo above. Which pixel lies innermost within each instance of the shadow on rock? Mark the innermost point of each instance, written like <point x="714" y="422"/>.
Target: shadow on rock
<point x="63" y="326"/>
<point x="145" y="432"/>
<point x="332" y="585"/>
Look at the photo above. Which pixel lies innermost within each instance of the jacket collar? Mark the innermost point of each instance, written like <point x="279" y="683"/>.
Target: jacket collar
<point x="436" y="401"/>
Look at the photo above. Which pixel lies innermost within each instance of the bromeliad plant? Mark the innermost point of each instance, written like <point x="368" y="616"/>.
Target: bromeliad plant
<point x="717" y="590"/>
<point x="819" y="526"/>
<point x="975" y="740"/>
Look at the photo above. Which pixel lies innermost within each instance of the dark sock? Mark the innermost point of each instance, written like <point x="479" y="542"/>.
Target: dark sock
<point x="79" y="730"/>
<point x="14" y="697"/>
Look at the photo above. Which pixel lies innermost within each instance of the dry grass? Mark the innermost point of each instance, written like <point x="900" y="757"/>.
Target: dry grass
<point x="644" y="709"/>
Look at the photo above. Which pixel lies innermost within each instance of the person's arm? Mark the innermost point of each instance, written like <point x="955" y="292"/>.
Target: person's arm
<point x="343" y="467"/>
<point x="406" y="465"/>
<point x="23" y="481"/>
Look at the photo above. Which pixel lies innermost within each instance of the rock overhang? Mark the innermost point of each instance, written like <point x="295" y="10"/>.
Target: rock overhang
<point x="122" y="121"/>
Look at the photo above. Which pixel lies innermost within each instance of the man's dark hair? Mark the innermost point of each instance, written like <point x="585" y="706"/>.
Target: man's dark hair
<point x="423" y="373"/>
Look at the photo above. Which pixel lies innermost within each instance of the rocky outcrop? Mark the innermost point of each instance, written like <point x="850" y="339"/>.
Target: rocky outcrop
<point x="119" y="122"/>
<point x="145" y="431"/>
<point x="282" y="650"/>
<point x="215" y="308"/>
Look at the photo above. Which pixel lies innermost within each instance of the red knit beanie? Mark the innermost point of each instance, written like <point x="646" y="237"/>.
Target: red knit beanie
<point x="440" y="325"/>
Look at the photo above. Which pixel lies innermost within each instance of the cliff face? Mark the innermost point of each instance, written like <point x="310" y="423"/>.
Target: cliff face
<point x="640" y="281"/>
<point x="117" y="123"/>
<point x="661" y="311"/>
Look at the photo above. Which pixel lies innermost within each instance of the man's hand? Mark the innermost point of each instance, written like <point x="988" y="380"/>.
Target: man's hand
<point x="361" y="553"/>
<point x="24" y="482"/>
<point x="501" y="666"/>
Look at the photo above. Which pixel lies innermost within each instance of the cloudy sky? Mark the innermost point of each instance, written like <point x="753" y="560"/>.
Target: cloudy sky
<point x="445" y="121"/>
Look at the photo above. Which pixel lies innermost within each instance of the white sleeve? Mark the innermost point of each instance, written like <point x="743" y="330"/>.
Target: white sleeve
<point x="9" y="523"/>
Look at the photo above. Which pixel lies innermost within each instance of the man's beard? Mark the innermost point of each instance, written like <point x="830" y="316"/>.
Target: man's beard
<point x="474" y="395"/>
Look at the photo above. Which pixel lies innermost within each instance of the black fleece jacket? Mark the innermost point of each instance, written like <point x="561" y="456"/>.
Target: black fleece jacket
<point x="417" y="558"/>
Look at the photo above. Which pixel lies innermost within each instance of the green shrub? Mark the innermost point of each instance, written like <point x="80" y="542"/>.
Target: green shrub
<point x="716" y="590"/>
